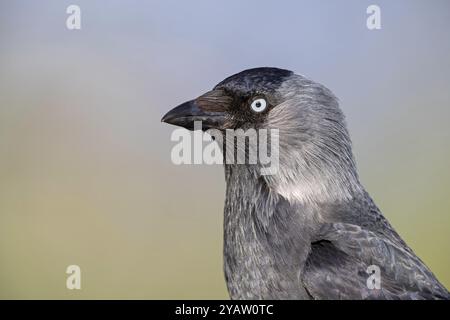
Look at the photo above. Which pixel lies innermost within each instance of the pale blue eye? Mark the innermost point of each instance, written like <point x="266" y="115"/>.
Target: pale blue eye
<point x="259" y="105"/>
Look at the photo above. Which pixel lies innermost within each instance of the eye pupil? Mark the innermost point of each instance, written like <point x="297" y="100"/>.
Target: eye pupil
<point x="258" y="104"/>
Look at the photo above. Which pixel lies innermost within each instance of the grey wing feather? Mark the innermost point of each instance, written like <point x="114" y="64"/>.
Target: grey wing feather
<point x="337" y="267"/>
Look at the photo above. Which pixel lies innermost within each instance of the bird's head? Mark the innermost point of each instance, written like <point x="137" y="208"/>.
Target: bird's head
<point x="315" y="155"/>
<point x="243" y="100"/>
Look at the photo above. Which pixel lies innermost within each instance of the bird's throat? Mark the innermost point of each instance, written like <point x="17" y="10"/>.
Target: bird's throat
<point x="265" y="244"/>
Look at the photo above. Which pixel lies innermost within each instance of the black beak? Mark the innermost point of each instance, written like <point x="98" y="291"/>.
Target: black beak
<point x="186" y="114"/>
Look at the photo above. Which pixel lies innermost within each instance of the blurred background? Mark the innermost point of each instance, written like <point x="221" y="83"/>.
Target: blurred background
<point x="85" y="170"/>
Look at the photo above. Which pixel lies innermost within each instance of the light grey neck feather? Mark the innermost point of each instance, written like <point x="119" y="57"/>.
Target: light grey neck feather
<point x="315" y="157"/>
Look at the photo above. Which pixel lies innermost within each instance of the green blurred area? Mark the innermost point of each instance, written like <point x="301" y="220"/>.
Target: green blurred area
<point x="85" y="170"/>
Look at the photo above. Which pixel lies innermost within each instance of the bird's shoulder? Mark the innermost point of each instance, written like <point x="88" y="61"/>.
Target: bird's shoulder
<point x="362" y="211"/>
<point x="356" y="238"/>
<point x="351" y="239"/>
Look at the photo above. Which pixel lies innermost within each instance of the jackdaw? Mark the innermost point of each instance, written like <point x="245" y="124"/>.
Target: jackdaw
<point x="310" y="231"/>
